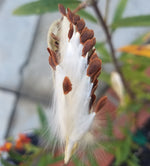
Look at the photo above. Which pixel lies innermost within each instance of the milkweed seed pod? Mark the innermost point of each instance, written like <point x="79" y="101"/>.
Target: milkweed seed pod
<point x="76" y="68"/>
<point x="117" y="86"/>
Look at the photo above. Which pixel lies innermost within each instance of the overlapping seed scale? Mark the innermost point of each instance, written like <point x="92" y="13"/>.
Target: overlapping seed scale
<point x="88" y="41"/>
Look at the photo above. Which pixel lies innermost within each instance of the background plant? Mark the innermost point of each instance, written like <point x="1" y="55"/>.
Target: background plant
<point x="134" y="57"/>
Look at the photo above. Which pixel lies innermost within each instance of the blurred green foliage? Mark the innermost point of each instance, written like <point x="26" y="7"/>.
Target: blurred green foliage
<point x="133" y="68"/>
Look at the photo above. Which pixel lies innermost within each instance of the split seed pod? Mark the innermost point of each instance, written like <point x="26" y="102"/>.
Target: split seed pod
<point x="117" y="86"/>
<point x="76" y="68"/>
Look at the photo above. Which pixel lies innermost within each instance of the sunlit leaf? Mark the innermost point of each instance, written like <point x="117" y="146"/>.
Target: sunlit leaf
<point x="128" y="58"/>
<point x="137" y="41"/>
<point x="40" y="7"/>
<point x="119" y="10"/>
<point x="134" y="21"/>
<point x="141" y="50"/>
<point x="87" y="16"/>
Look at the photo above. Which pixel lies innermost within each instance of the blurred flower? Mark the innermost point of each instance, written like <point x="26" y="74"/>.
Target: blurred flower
<point x="6" y="147"/>
<point x="21" y="141"/>
<point x="76" y="68"/>
<point x="24" y="138"/>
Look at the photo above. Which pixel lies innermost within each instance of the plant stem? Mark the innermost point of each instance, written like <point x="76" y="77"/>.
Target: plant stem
<point x="107" y="10"/>
<point x="108" y="36"/>
<point x="80" y="6"/>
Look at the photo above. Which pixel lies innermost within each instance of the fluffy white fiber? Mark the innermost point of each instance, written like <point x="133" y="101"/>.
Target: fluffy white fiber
<point x="71" y="119"/>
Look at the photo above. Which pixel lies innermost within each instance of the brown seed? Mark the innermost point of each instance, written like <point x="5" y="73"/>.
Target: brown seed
<point x="95" y="82"/>
<point x="80" y="25"/>
<point x="62" y="9"/>
<point x="67" y="86"/>
<point x="95" y="85"/>
<point x="70" y="15"/>
<point x="54" y="37"/>
<point x="86" y="34"/>
<point x="90" y="54"/>
<point x="54" y="56"/>
<point x="76" y="18"/>
<point x="100" y="103"/>
<point x="88" y="45"/>
<point x="93" y="97"/>
<point x="94" y="88"/>
<point x="93" y="56"/>
<point x="70" y="33"/>
<point x="48" y="49"/>
<point x="52" y="63"/>
<point x="94" y="67"/>
<point x="56" y="44"/>
<point x="95" y="76"/>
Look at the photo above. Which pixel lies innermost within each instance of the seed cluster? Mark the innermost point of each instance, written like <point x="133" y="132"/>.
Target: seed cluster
<point x="88" y="41"/>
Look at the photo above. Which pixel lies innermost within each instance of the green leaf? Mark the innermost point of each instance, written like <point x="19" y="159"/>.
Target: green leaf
<point x="77" y="161"/>
<point x="48" y="158"/>
<point x="14" y="155"/>
<point x="133" y="161"/>
<point x="104" y="54"/>
<point x="92" y="160"/>
<point x="135" y="21"/>
<point x="137" y="65"/>
<point x="119" y="10"/>
<point x="135" y="76"/>
<point x="87" y="16"/>
<point x="42" y="117"/>
<point x="130" y="59"/>
<point x="105" y="77"/>
<point x="134" y="107"/>
<point x="123" y="150"/>
<point x="40" y="7"/>
<point x="44" y="131"/>
<point x="43" y="160"/>
<point x="109" y="127"/>
<point x="5" y="163"/>
<point x="56" y="159"/>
